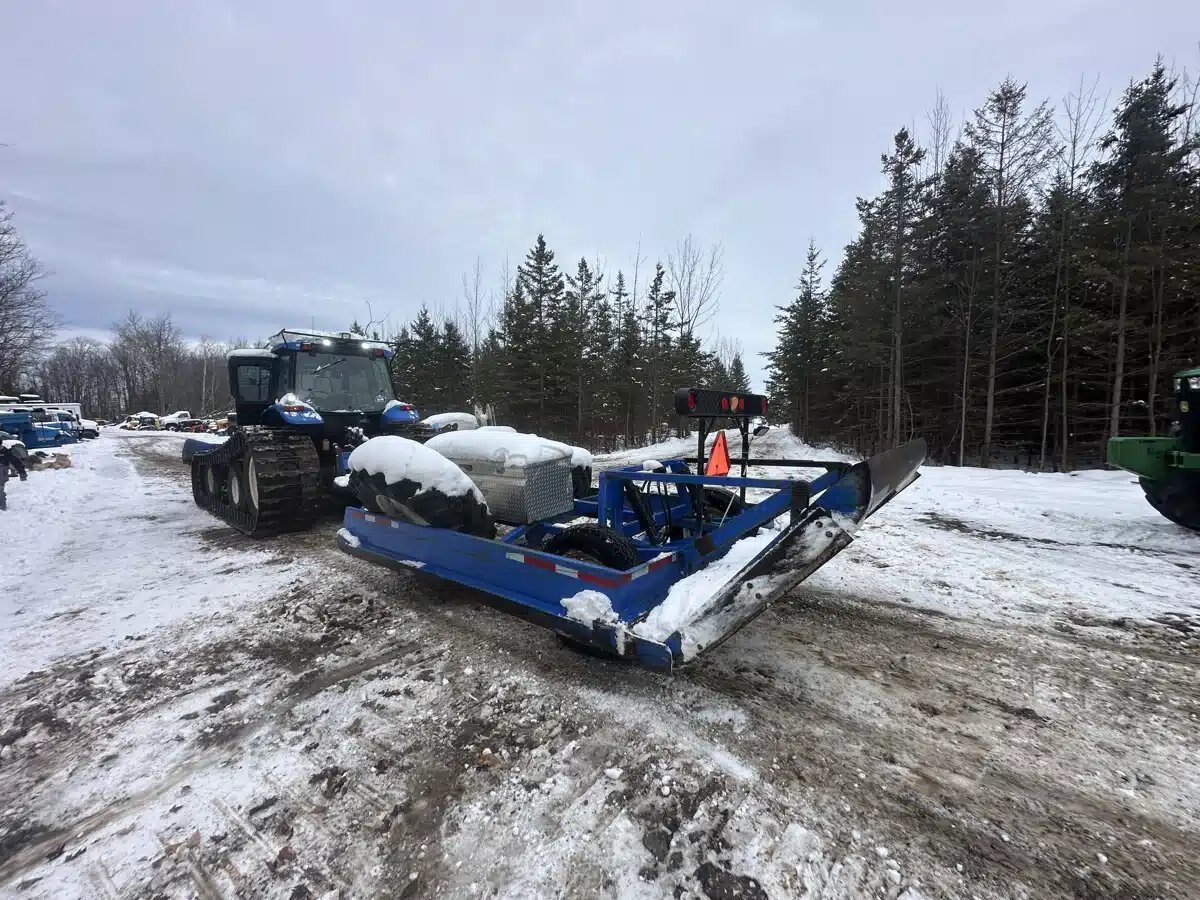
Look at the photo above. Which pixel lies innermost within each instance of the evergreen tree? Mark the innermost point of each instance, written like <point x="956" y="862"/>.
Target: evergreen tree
<point x="453" y="368"/>
<point x="1144" y="187"/>
<point x="628" y="361"/>
<point x="900" y="208"/>
<point x="738" y="379"/>
<point x="519" y="364"/>
<point x="801" y="351"/>
<point x="1014" y="147"/>
<point x="581" y="356"/>
<point x="542" y="289"/>
<point x="657" y="315"/>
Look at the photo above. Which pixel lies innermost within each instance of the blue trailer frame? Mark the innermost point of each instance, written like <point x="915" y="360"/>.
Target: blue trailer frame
<point x="819" y="518"/>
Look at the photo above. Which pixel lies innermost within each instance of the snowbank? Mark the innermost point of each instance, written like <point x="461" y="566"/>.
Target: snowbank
<point x="464" y="421"/>
<point x="400" y="459"/>
<point x="516" y="451"/>
<point x="507" y="429"/>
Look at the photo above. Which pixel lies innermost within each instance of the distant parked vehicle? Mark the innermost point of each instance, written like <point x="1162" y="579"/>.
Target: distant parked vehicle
<point x="180" y="420"/>
<point x="143" y="421"/>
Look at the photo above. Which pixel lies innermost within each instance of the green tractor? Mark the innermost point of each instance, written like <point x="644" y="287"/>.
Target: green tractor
<point x="1169" y="467"/>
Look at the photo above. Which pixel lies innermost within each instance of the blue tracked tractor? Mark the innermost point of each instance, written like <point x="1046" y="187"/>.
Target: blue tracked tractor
<point x="622" y="571"/>
<point x="303" y="403"/>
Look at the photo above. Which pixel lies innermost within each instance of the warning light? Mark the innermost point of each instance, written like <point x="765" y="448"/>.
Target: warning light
<point x="763" y="404"/>
<point x="691" y="400"/>
<point x="724" y="403"/>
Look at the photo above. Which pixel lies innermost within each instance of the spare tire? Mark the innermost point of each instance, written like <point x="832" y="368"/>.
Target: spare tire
<point x="581" y="481"/>
<point x="423" y="489"/>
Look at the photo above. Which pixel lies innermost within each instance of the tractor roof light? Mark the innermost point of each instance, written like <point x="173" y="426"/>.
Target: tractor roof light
<point x="1192" y="382"/>
<point x="307" y="346"/>
<point x="327" y="342"/>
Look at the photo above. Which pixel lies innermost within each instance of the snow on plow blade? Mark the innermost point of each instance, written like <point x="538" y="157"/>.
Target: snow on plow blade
<point x="810" y="540"/>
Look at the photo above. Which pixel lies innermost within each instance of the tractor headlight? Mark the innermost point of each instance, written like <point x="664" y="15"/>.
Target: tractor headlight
<point x="1193" y="383"/>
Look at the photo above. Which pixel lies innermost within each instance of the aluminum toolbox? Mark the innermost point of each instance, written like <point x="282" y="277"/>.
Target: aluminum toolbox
<point x="522" y="496"/>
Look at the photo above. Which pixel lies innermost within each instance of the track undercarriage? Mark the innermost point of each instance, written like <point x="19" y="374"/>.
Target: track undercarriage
<point x="261" y="481"/>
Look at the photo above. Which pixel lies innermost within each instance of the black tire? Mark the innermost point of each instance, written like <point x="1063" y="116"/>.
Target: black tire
<point x="716" y="503"/>
<point x="595" y="543"/>
<point x="581" y="481"/>
<point x="721" y="504"/>
<point x="1176" y="497"/>
<point x="465" y="513"/>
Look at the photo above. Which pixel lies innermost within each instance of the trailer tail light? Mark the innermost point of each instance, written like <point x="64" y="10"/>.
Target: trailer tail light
<point x="764" y="407"/>
<point x="691" y="401"/>
<point x="725" y="404"/>
<point x="294" y="407"/>
<point x="307" y="346"/>
<point x="378" y="353"/>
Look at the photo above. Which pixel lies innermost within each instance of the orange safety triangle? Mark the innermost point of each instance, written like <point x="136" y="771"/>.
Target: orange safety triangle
<point x="718" y="460"/>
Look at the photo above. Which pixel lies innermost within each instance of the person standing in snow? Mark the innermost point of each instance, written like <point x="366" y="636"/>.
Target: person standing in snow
<point x="11" y="458"/>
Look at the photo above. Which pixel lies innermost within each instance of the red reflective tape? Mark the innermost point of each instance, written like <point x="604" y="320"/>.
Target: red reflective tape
<point x="601" y="581"/>
<point x="539" y="562"/>
<point x="659" y="563"/>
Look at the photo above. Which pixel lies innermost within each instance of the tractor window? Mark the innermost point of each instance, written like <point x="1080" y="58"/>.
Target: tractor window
<point x="337" y="382"/>
<point x="253" y="384"/>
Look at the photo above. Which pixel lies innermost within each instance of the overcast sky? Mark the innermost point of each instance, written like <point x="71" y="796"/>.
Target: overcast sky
<point x="249" y="165"/>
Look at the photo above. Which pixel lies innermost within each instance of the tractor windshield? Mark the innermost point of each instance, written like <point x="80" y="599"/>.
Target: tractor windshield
<point x="338" y="382"/>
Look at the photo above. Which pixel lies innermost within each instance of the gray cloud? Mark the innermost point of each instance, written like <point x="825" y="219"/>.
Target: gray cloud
<point x="247" y="165"/>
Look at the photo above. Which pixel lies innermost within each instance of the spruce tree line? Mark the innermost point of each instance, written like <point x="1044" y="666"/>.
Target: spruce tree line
<point x="1017" y="295"/>
<point x="573" y="355"/>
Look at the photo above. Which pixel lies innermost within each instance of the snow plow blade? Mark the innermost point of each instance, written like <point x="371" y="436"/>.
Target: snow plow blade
<point x="813" y="537"/>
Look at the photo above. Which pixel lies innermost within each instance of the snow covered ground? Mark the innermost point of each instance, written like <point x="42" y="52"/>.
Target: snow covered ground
<point x="991" y="693"/>
<point x="98" y="554"/>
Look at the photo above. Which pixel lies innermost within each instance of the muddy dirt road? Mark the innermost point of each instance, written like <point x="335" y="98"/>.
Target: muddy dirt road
<point x="359" y="732"/>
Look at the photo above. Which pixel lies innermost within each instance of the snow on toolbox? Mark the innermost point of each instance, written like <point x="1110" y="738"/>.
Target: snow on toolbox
<point x="668" y="564"/>
<point x="523" y="478"/>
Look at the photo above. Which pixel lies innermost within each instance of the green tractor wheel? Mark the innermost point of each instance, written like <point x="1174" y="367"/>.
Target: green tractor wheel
<point x="1177" y="497"/>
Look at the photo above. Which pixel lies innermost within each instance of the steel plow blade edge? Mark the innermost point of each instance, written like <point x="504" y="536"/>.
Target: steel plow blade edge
<point x="814" y="538"/>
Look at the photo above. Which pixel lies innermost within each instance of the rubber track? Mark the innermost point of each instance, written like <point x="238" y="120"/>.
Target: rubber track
<point x="288" y="474"/>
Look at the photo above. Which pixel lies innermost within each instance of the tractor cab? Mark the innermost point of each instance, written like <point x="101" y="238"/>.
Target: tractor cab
<point x="320" y="383"/>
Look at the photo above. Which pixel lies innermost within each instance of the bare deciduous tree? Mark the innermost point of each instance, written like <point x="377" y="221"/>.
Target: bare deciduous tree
<point x="695" y="275"/>
<point x="26" y="323"/>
